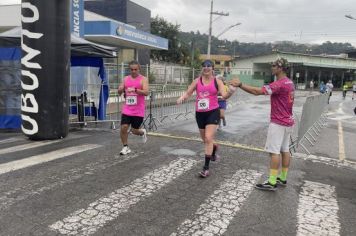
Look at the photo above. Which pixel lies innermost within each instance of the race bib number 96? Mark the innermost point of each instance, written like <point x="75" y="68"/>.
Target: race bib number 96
<point x="131" y="100"/>
<point x="203" y="104"/>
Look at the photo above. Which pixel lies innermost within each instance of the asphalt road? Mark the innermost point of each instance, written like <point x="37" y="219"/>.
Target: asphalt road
<point x="81" y="186"/>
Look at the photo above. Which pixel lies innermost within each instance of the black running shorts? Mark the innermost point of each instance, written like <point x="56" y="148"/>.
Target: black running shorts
<point x="207" y="118"/>
<point x="134" y="121"/>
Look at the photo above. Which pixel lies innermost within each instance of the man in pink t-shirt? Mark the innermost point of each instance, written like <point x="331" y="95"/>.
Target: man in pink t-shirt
<point x="281" y="123"/>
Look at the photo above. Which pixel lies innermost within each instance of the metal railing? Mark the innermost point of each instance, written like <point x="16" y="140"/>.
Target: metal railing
<point x="312" y="120"/>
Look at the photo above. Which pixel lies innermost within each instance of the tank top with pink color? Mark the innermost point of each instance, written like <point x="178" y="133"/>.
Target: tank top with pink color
<point x="207" y="96"/>
<point x="134" y="103"/>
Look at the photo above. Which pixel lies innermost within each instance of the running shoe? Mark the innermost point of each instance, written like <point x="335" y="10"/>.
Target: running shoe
<point x="125" y="150"/>
<point x="266" y="186"/>
<point x="281" y="182"/>
<point x="144" y="136"/>
<point x="204" y="173"/>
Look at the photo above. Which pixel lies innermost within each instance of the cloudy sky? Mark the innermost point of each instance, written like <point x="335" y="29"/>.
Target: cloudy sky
<point x="301" y="21"/>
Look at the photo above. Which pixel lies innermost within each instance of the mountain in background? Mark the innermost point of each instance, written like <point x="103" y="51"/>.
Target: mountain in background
<point x="236" y="48"/>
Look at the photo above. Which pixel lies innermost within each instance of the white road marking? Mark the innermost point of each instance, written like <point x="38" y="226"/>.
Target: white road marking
<point x="317" y="210"/>
<point x="26" y="146"/>
<point x="24" y="191"/>
<point x="214" y="215"/>
<point x="11" y="140"/>
<point x="88" y="221"/>
<point x="46" y="157"/>
<point x="341" y="141"/>
<point x="338" y="118"/>
<point x="35" y="144"/>
<point x="327" y="161"/>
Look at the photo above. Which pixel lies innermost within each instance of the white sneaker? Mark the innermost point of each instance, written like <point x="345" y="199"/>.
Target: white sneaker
<point x="144" y="136"/>
<point x="125" y="150"/>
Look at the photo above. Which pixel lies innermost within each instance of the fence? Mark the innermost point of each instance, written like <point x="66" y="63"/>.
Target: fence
<point x="313" y="119"/>
<point x="167" y="83"/>
<point x="253" y="80"/>
<point x="161" y="107"/>
<point x="157" y="74"/>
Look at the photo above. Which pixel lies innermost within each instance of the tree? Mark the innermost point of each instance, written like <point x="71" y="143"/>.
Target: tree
<point x="161" y="27"/>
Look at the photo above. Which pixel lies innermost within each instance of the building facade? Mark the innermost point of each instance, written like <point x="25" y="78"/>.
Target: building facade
<point x="303" y="68"/>
<point x="127" y="12"/>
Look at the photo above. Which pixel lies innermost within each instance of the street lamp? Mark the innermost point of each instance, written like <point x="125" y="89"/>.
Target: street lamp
<point x="350" y="17"/>
<point x="227" y="29"/>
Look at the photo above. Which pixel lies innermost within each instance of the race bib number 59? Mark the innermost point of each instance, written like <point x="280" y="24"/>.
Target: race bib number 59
<point x="203" y="104"/>
<point x="131" y="100"/>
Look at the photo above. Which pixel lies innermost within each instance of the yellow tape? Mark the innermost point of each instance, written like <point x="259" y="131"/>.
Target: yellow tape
<point x="223" y="143"/>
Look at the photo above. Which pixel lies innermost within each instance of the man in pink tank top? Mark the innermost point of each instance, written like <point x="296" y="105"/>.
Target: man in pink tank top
<point x="281" y="123"/>
<point x="135" y="88"/>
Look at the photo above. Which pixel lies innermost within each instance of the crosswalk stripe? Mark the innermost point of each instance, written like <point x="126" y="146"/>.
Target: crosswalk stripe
<point x="46" y="157"/>
<point x="317" y="210"/>
<point x="10" y="140"/>
<point x="88" y="221"/>
<point x="34" y="145"/>
<point x="70" y="176"/>
<point x="327" y="161"/>
<point x="214" y="215"/>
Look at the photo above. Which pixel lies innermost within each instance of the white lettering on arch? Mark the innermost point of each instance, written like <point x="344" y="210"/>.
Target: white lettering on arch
<point x="34" y="129"/>
<point x="34" y="10"/>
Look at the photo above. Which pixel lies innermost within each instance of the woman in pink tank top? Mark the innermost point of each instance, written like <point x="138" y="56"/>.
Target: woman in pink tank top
<point x="134" y="88"/>
<point x="207" y="109"/>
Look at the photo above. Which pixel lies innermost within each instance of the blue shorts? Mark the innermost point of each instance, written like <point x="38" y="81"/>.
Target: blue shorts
<point x="222" y="104"/>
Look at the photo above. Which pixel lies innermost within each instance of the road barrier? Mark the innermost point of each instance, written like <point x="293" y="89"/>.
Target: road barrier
<point x="312" y="120"/>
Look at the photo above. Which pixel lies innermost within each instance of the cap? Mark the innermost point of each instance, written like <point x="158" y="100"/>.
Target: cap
<point x="282" y="63"/>
<point x="207" y="63"/>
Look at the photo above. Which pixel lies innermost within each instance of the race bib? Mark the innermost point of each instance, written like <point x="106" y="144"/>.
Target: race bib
<point x="131" y="100"/>
<point x="203" y="104"/>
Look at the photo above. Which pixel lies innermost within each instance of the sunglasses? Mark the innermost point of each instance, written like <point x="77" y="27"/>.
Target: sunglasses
<point x="207" y="65"/>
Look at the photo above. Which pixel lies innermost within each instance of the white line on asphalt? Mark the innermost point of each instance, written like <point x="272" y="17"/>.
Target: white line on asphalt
<point x="11" y="140"/>
<point x="88" y="221"/>
<point x="46" y="157"/>
<point x="317" y="210"/>
<point x="214" y="215"/>
<point x="35" y="144"/>
<point x="327" y="161"/>
<point x="21" y="193"/>
<point x="341" y="141"/>
<point x="26" y="146"/>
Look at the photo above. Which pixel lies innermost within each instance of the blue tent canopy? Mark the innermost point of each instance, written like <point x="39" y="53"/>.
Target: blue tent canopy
<point x="104" y="88"/>
<point x="10" y="88"/>
<point x="83" y="52"/>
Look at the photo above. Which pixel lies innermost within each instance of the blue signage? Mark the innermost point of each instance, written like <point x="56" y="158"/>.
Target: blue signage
<point x="77" y="18"/>
<point x="122" y="32"/>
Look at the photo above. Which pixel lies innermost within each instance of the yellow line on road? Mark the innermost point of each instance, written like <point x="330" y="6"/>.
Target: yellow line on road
<point x="341" y="142"/>
<point x="223" y="143"/>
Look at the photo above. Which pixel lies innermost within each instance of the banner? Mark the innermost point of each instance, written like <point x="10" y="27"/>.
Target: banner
<point x="45" y="68"/>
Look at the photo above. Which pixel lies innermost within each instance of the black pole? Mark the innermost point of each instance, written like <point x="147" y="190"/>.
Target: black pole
<point x="45" y="68"/>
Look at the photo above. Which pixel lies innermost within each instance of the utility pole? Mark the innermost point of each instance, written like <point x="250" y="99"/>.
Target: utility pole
<point x="211" y="24"/>
<point x="192" y="49"/>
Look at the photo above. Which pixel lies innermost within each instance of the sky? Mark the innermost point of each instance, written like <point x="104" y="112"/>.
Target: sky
<point x="300" y="21"/>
